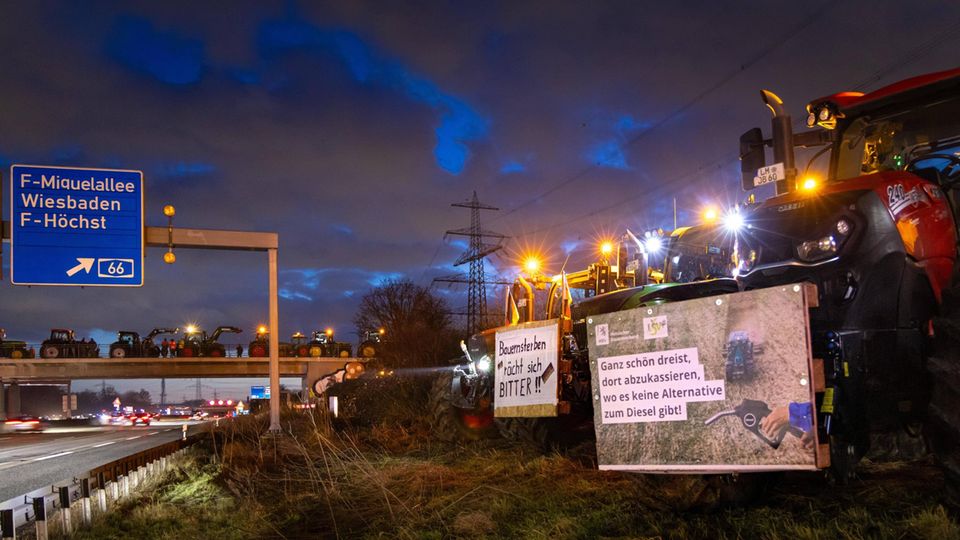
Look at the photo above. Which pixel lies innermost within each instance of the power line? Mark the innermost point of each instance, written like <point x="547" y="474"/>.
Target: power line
<point x="909" y="57"/>
<point x="816" y="16"/>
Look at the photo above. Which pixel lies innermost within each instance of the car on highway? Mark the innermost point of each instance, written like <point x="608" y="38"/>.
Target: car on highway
<point x="139" y="419"/>
<point x="24" y="424"/>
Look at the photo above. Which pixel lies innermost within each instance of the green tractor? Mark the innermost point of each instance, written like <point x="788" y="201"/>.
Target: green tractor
<point x="14" y="349"/>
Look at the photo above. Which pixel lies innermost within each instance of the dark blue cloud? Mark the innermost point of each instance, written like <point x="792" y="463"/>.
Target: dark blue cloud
<point x="609" y="152"/>
<point x="459" y="123"/>
<point x="165" y="56"/>
<point x="512" y="167"/>
<point x="183" y="169"/>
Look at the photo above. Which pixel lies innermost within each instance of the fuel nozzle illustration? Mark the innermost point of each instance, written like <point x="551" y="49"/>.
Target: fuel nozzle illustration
<point x="751" y="412"/>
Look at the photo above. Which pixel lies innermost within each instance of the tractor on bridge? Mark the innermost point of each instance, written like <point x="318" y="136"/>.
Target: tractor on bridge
<point x="323" y="344"/>
<point x="370" y="343"/>
<point x="195" y="342"/>
<point x="260" y="346"/>
<point x="63" y="344"/>
<point x="129" y="344"/>
<point x="14" y="349"/>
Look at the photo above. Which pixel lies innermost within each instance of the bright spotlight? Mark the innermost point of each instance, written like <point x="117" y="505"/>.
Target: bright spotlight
<point x="606" y="248"/>
<point x="733" y="221"/>
<point x="483" y="364"/>
<point x="653" y="244"/>
<point x="710" y="215"/>
<point x="531" y="265"/>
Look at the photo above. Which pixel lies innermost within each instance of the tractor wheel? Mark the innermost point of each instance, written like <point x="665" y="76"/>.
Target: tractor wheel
<point x="16" y="354"/>
<point x="187" y="352"/>
<point x="316" y="352"/>
<point x="368" y="351"/>
<point x="50" y="351"/>
<point x="532" y="431"/>
<point x="303" y="351"/>
<point x="216" y="353"/>
<point x="117" y="352"/>
<point x="942" y="427"/>
<point x="344" y="353"/>
<point x="257" y="351"/>
<point x="452" y="424"/>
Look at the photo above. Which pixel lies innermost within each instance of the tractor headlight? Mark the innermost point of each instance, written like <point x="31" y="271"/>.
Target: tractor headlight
<point x="828" y="245"/>
<point x="483" y="364"/>
<point x="815" y="250"/>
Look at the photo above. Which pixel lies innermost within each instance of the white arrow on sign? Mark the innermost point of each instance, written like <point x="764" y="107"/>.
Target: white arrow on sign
<point x="85" y="265"/>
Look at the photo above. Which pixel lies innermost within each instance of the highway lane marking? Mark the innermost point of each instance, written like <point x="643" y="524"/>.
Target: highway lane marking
<point x="104" y="444"/>
<point x="153" y="433"/>
<point x="51" y="456"/>
<point x="132" y="438"/>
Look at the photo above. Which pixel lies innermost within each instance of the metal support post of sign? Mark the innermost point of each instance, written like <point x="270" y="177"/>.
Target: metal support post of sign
<point x="274" y="346"/>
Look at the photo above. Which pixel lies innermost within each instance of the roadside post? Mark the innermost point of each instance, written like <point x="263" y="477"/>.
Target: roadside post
<point x="85" y="501"/>
<point x="8" y="530"/>
<point x="64" y="495"/>
<point x="40" y="516"/>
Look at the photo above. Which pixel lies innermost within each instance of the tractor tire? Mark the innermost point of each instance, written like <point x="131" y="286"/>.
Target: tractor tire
<point x="532" y="431"/>
<point x="216" y="353"/>
<point x="50" y="351"/>
<point x="316" y="352"/>
<point x="16" y="354"/>
<point x="942" y="426"/>
<point x="117" y="352"/>
<point x="303" y="352"/>
<point x="344" y="353"/>
<point x="368" y="351"/>
<point x="187" y="352"/>
<point x="257" y="351"/>
<point x="452" y="424"/>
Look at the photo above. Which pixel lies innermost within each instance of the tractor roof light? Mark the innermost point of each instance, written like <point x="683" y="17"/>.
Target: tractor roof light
<point x="733" y="221"/>
<point x="262" y="329"/>
<point x="653" y="244"/>
<point x="190" y="329"/>
<point x="328" y="331"/>
<point x="809" y="184"/>
<point x="532" y="265"/>
<point x="606" y="248"/>
<point x="710" y="215"/>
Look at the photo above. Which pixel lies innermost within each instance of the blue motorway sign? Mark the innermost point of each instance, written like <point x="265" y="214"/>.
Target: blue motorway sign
<point x="74" y="226"/>
<point x="259" y="392"/>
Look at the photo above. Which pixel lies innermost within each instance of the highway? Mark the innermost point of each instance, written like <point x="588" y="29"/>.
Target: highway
<point x="29" y="461"/>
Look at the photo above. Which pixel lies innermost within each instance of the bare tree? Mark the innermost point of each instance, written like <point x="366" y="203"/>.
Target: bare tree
<point x="416" y="322"/>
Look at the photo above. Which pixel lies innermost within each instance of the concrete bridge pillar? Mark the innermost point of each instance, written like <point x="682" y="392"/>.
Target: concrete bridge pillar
<point x="13" y="400"/>
<point x="3" y="401"/>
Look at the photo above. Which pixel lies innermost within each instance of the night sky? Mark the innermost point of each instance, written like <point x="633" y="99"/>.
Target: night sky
<point x="350" y="127"/>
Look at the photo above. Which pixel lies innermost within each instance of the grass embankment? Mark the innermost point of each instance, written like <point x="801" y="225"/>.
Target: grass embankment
<point x="187" y="501"/>
<point x="391" y="479"/>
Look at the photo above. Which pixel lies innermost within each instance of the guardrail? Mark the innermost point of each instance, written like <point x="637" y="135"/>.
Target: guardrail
<point x="53" y="510"/>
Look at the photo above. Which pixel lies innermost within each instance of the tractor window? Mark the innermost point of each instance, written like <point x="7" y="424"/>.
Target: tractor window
<point x="892" y="140"/>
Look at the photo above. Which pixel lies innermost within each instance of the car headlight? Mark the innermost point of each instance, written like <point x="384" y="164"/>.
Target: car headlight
<point x="827" y="246"/>
<point x="483" y="364"/>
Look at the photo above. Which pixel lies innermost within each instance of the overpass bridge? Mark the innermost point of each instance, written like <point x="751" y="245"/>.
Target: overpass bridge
<point x="61" y="370"/>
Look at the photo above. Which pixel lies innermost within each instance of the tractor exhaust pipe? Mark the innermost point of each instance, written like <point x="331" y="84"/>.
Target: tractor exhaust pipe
<point x="782" y="129"/>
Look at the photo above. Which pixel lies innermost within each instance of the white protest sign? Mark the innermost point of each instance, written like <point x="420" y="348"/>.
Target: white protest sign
<point x="525" y="373"/>
<point x="654" y="386"/>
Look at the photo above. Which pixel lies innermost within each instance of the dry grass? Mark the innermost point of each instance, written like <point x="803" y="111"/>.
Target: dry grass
<point x="391" y="479"/>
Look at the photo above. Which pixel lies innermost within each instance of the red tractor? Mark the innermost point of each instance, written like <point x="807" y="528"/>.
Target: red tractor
<point x="876" y="234"/>
<point x="260" y="346"/>
<point x="64" y="344"/>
